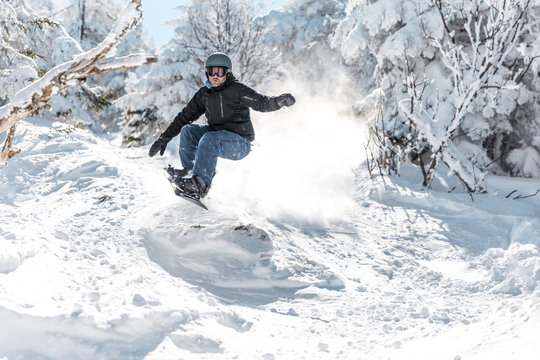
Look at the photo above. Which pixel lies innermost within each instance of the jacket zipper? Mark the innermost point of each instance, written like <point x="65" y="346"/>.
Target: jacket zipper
<point x="221" y="104"/>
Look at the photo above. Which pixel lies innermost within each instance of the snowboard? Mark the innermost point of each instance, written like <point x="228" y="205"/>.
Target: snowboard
<point x="178" y="192"/>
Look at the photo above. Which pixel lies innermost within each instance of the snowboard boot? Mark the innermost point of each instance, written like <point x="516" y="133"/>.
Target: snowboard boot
<point x="176" y="172"/>
<point x="194" y="186"/>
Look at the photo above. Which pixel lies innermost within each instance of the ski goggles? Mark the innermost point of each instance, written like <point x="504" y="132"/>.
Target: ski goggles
<point x="219" y="71"/>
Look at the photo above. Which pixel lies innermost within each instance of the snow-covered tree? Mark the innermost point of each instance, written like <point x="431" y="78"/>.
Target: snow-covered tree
<point x="155" y="94"/>
<point x="97" y="60"/>
<point x="29" y="44"/>
<point x="455" y="76"/>
<point x="484" y="67"/>
<point x="88" y="23"/>
<point x="522" y="157"/>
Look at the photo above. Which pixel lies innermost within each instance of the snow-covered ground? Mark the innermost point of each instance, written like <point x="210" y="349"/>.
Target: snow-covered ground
<point x="301" y="256"/>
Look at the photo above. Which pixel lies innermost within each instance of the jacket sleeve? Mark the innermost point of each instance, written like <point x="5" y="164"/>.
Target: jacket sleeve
<point x="191" y="112"/>
<point x="258" y="102"/>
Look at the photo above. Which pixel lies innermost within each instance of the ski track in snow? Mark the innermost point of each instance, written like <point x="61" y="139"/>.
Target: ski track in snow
<point x="99" y="261"/>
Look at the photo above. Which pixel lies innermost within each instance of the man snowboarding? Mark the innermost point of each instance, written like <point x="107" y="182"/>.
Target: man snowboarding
<point x="228" y="133"/>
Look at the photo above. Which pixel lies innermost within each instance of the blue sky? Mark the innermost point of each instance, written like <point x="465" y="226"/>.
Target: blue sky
<point x="158" y="12"/>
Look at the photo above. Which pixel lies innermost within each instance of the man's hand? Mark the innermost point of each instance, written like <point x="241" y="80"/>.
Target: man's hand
<point x="285" y="100"/>
<point x="160" y="145"/>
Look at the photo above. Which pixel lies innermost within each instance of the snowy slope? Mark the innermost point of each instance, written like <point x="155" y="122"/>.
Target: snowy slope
<point x="302" y="255"/>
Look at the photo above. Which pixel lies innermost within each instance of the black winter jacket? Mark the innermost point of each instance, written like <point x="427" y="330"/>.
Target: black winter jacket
<point x="226" y="108"/>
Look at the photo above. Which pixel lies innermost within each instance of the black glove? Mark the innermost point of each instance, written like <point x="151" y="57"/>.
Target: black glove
<point x="285" y="100"/>
<point x="159" y="145"/>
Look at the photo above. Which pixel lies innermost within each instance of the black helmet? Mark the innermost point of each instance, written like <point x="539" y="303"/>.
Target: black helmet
<point x="218" y="59"/>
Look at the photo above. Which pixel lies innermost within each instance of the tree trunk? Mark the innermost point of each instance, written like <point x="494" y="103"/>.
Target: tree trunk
<point x="6" y="152"/>
<point x="82" y="11"/>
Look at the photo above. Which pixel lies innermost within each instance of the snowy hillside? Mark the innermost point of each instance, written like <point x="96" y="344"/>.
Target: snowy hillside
<point x="301" y="256"/>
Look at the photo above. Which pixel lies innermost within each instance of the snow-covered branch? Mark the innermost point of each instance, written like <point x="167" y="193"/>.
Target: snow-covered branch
<point x="34" y="97"/>
<point x="476" y="63"/>
<point x="124" y="63"/>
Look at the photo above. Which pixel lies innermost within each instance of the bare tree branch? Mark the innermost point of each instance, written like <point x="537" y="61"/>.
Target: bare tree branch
<point x="526" y="196"/>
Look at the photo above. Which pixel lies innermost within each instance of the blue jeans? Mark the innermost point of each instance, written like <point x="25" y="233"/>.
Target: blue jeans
<point x="200" y="147"/>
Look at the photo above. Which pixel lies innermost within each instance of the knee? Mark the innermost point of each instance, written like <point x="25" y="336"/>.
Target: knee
<point x="187" y="131"/>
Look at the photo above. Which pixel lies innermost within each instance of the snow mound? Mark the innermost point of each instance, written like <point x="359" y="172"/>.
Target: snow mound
<point x="230" y="260"/>
<point x="12" y="254"/>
